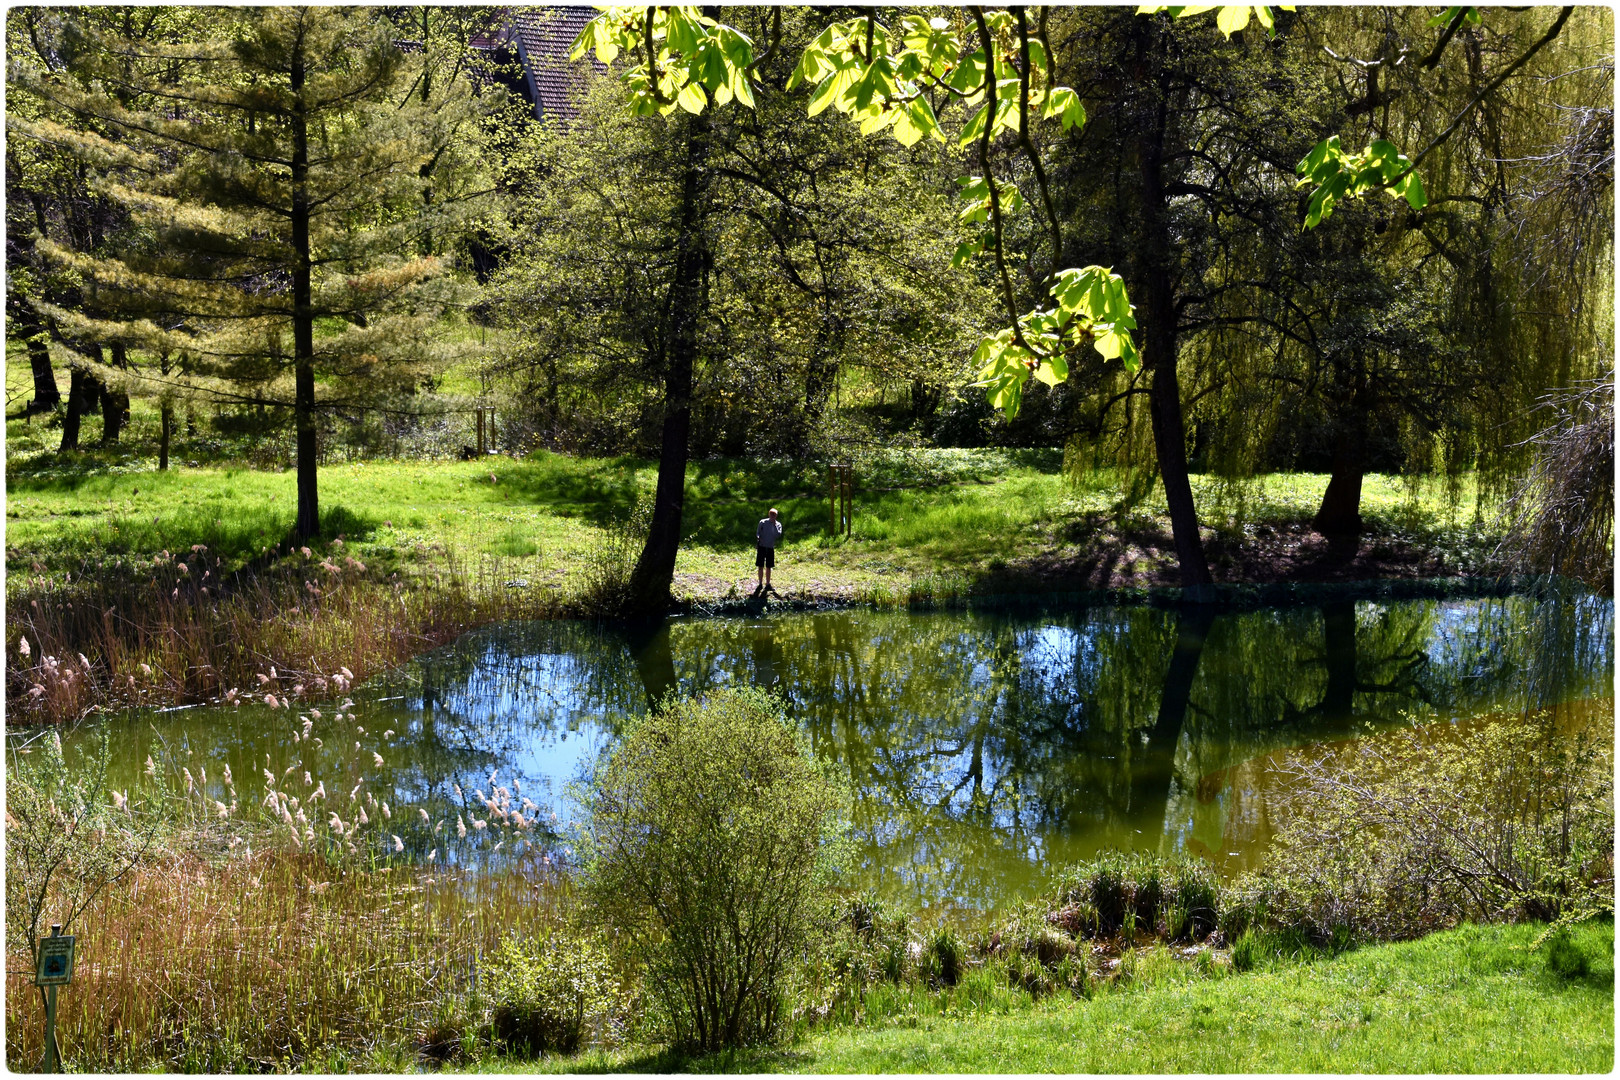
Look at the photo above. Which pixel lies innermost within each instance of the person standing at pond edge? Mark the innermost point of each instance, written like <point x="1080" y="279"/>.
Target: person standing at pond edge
<point x="766" y="536"/>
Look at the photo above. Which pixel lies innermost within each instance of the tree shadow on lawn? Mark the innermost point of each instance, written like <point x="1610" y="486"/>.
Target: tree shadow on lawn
<point x="753" y="1060"/>
<point x="725" y="497"/>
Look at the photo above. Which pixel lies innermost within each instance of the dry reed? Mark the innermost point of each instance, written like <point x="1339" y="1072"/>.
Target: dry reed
<point x="169" y="631"/>
<point x="273" y="961"/>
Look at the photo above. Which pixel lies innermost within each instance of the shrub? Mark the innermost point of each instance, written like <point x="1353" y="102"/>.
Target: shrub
<point x="710" y="836"/>
<point x="541" y="993"/>
<point x="1395" y="837"/>
<point x="68" y="837"/>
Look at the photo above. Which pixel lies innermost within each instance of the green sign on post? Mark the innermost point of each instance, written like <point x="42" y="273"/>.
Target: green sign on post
<point x="53" y="967"/>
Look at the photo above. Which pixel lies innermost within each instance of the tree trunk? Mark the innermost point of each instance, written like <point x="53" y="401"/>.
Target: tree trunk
<point x="79" y="396"/>
<point x="1158" y="320"/>
<point x="308" y="523"/>
<point x="47" y="396"/>
<point x="688" y="298"/>
<point x="114" y="403"/>
<point x="1340" y="512"/>
<point x="84" y="399"/>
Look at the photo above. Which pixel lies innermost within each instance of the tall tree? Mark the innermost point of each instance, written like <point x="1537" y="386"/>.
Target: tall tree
<point x="276" y="173"/>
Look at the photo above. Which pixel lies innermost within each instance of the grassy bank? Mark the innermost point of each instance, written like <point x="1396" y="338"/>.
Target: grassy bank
<point x="970" y="513"/>
<point x="181" y="586"/>
<point x="1475" y="1000"/>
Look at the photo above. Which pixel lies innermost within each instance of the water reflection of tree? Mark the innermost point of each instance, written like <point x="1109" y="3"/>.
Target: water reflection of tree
<point x="983" y="748"/>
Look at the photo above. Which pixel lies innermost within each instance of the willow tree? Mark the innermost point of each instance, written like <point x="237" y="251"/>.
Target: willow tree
<point x="276" y="181"/>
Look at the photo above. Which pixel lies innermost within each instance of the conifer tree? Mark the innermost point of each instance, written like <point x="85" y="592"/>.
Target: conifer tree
<point x="274" y="172"/>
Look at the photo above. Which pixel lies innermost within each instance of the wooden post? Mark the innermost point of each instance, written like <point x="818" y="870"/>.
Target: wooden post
<point x="849" y="498"/>
<point x="832" y="499"/>
<point x="50" y="1030"/>
<point x="480" y="431"/>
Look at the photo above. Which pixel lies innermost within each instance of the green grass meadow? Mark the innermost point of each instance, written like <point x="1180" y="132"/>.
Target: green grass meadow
<point x="1472" y="1000"/>
<point x="933" y="512"/>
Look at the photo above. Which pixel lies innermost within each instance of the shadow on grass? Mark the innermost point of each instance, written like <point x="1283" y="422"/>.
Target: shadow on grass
<point x="753" y="1060"/>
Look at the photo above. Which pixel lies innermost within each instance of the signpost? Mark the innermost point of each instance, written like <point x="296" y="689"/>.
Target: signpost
<point x="53" y="967"/>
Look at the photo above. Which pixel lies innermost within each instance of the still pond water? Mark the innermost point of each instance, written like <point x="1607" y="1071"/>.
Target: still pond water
<point x="983" y="748"/>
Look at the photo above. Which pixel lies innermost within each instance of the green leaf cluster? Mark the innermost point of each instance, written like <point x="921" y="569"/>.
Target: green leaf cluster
<point x="1092" y="307"/>
<point x="1229" y="18"/>
<point x="685" y="57"/>
<point x="1338" y="175"/>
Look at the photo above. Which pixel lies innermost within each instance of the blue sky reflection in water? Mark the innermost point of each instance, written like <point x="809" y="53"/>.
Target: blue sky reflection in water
<point x="983" y="748"/>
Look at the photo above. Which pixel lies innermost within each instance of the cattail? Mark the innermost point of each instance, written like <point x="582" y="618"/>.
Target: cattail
<point x="399" y="845"/>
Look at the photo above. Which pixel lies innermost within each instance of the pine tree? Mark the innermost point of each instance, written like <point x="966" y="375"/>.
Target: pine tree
<point x="275" y="175"/>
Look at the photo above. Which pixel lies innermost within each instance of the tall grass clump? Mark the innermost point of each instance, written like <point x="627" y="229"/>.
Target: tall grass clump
<point x="170" y="630"/>
<point x="609" y="565"/>
<point x="230" y="926"/>
<point x="711" y="836"/>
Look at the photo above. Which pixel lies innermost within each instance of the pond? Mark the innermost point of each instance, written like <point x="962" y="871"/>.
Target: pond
<point x="984" y="748"/>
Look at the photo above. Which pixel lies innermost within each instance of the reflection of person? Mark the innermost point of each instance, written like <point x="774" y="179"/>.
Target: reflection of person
<point x="766" y="536"/>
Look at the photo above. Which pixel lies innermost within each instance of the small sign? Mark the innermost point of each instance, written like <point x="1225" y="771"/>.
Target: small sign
<point x="55" y="964"/>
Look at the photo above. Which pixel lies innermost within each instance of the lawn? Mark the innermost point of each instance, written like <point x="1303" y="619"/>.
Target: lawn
<point x="1471" y="1000"/>
<point x="949" y="514"/>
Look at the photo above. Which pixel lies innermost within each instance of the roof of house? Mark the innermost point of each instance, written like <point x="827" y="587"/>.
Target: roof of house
<point x="543" y="36"/>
